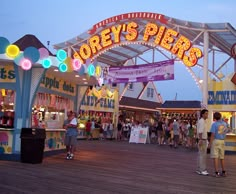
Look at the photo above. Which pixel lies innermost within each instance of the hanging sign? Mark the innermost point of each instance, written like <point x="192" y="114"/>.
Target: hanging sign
<point x="159" y="71"/>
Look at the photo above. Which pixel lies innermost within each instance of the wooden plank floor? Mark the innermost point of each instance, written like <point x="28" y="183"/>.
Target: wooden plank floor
<point x="116" y="167"/>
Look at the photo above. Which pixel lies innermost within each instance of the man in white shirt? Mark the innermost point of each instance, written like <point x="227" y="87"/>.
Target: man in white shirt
<point x="202" y="143"/>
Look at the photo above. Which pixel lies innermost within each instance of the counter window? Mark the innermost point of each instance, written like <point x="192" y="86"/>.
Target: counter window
<point x="7" y="108"/>
<point x="49" y="110"/>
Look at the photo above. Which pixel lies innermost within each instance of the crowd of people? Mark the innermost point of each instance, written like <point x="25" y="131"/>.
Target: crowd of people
<point x="171" y="131"/>
<point x="174" y="132"/>
<point x="165" y="131"/>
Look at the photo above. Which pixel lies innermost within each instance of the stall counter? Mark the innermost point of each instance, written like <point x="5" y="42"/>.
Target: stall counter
<point x="6" y="140"/>
<point x="230" y="142"/>
<point x="54" y="139"/>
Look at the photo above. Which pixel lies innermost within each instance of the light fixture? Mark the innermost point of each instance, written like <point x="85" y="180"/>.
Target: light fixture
<point x="77" y="76"/>
<point x="56" y="70"/>
<point x="85" y="82"/>
<point x="84" y="79"/>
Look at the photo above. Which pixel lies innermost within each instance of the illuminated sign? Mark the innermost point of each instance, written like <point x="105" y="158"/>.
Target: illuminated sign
<point x="222" y="97"/>
<point x="154" y="34"/>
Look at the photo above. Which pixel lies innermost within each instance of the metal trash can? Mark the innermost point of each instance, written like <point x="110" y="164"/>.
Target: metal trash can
<point x="32" y="145"/>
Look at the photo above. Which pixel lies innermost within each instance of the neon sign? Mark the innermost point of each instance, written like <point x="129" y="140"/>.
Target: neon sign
<point x="153" y="33"/>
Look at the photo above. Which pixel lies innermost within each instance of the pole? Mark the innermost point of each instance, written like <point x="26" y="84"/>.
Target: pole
<point x="69" y="52"/>
<point x="205" y="69"/>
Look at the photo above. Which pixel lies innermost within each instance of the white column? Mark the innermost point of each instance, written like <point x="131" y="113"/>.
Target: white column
<point x="69" y="52"/>
<point x="205" y="69"/>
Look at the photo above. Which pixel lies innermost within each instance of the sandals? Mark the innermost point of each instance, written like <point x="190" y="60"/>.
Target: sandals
<point x="222" y="174"/>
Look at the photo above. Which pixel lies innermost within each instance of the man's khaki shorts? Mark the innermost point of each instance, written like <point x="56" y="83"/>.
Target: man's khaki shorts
<point x="218" y="149"/>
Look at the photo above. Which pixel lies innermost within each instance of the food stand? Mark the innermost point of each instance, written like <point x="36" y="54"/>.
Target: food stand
<point x="52" y="101"/>
<point x="222" y="98"/>
<point x="7" y="106"/>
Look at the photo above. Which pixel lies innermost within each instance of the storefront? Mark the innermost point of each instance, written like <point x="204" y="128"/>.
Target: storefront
<point x="36" y="95"/>
<point x="101" y="105"/>
<point x="132" y="109"/>
<point x="53" y="99"/>
<point x="183" y="110"/>
<point x="7" y="106"/>
<point x="222" y="98"/>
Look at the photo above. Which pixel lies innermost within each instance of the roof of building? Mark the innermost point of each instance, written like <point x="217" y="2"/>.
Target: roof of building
<point x="181" y="104"/>
<point x="134" y="103"/>
<point x="30" y="40"/>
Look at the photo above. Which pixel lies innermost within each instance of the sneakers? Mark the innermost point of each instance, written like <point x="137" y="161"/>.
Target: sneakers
<point x="198" y="172"/>
<point x="204" y="173"/>
<point x="69" y="156"/>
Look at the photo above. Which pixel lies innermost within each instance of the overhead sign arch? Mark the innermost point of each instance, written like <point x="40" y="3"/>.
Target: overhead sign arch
<point x="131" y="33"/>
<point x="120" y="38"/>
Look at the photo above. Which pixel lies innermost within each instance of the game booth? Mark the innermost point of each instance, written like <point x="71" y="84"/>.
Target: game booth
<point x="101" y="106"/>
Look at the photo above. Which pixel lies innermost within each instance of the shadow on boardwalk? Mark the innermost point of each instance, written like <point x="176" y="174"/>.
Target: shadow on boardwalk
<point x="116" y="167"/>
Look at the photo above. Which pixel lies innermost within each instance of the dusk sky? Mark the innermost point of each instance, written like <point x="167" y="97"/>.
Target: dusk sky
<point x="58" y="20"/>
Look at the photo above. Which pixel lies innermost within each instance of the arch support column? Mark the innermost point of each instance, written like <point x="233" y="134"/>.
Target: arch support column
<point x="205" y="69"/>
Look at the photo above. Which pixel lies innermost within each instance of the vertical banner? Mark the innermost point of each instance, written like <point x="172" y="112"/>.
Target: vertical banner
<point x="159" y="71"/>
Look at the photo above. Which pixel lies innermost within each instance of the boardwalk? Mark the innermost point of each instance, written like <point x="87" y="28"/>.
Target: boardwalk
<point x="116" y="167"/>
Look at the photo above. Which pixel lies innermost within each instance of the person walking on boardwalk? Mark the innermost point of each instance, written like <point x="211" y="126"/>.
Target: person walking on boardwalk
<point x="202" y="143"/>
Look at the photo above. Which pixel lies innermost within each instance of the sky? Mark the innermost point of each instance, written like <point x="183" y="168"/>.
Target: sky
<point x="59" y="20"/>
